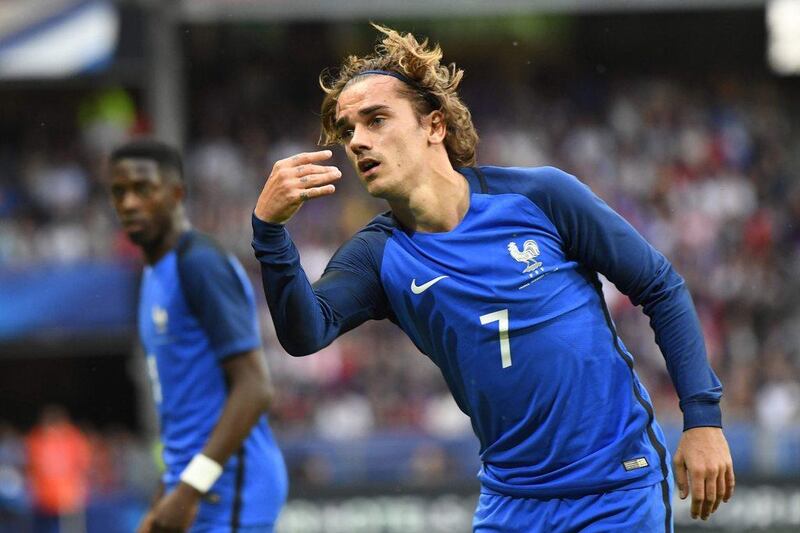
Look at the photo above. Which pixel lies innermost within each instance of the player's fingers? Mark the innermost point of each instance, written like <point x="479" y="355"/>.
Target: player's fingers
<point x="305" y="158"/>
<point x="316" y="192"/>
<point x="720" y="490"/>
<point x="730" y="483"/>
<point x="166" y="529"/>
<point x="697" y="486"/>
<point x="287" y="168"/>
<point x="680" y="477"/>
<point x="318" y="179"/>
<point x="310" y="170"/>
<point x="710" y="500"/>
<point x="157" y="528"/>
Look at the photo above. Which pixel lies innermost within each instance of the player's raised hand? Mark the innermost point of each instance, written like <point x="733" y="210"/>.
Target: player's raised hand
<point x="293" y="181"/>
<point x="703" y="465"/>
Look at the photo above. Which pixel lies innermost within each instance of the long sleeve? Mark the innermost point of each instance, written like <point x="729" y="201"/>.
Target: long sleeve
<point x="601" y="240"/>
<point x="309" y="317"/>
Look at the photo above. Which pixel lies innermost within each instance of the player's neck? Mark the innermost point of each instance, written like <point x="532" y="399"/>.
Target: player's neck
<point x="169" y="240"/>
<point x="437" y="205"/>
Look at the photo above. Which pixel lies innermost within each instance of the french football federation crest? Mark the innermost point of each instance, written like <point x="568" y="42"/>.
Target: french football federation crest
<point x="528" y="254"/>
<point x="160" y="317"/>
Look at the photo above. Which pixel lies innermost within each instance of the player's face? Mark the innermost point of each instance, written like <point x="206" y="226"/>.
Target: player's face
<point x="382" y="136"/>
<point x="143" y="199"/>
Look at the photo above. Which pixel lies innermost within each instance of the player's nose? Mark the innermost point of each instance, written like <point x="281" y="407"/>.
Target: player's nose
<point x="360" y="140"/>
<point x="129" y="202"/>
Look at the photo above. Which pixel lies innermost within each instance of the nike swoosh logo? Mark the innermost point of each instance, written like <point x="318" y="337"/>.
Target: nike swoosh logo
<point x="419" y="289"/>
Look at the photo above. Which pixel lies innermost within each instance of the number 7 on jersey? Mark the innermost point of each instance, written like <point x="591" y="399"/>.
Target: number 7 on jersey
<point x="501" y="317"/>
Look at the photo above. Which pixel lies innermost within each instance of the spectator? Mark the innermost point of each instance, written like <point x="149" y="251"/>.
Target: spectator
<point x="59" y="460"/>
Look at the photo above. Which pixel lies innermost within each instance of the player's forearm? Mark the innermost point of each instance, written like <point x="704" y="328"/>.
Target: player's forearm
<point x="159" y="493"/>
<point x="679" y="335"/>
<point x="303" y="323"/>
<point x="249" y="398"/>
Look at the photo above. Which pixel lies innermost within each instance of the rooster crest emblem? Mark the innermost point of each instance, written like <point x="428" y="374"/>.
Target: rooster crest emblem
<point x="528" y="254"/>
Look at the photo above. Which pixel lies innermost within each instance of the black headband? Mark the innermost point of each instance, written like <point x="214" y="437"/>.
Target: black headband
<point x="426" y="94"/>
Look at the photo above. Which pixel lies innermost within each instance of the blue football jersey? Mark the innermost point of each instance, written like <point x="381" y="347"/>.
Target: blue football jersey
<point x="509" y="306"/>
<point x="197" y="308"/>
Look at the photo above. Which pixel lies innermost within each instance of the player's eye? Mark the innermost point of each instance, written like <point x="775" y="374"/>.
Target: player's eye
<point x="376" y="121"/>
<point x="345" y="134"/>
<point x="143" y="188"/>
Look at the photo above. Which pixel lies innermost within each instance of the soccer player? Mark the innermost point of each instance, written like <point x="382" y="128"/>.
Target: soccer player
<point x="493" y="274"/>
<point x="197" y="321"/>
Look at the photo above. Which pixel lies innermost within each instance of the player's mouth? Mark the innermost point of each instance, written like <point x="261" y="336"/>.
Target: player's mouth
<point x="368" y="166"/>
<point x="133" y="225"/>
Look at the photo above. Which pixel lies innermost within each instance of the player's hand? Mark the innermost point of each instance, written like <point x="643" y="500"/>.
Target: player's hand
<point x="146" y="524"/>
<point x="292" y="182"/>
<point x="703" y="465"/>
<point x="175" y="512"/>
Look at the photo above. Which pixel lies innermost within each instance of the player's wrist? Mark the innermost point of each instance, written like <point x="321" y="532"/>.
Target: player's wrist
<point x="201" y="473"/>
<point x="188" y="491"/>
<point x="266" y="224"/>
<point x="263" y="215"/>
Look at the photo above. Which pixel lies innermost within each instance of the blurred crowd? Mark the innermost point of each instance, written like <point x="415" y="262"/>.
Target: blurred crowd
<point x="708" y="172"/>
<point x="58" y="476"/>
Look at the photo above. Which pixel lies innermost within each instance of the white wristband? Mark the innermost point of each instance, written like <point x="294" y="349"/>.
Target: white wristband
<point x="201" y="473"/>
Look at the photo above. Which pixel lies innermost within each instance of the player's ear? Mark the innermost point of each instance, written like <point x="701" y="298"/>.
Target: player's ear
<point x="436" y="126"/>
<point x="178" y="190"/>
<point x="174" y="184"/>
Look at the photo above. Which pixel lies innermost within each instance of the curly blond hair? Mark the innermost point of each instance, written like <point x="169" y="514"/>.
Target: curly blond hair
<point x="435" y="83"/>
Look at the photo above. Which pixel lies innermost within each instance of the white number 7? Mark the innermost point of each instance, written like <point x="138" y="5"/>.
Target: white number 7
<point x="501" y="317"/>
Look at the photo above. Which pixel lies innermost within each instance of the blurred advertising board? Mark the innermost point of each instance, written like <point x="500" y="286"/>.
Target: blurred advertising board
<point x="758" y="505"/>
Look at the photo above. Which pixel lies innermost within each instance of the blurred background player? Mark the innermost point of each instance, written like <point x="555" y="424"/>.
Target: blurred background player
<point x="224" y="472"/>
<point x="493" y="273"/>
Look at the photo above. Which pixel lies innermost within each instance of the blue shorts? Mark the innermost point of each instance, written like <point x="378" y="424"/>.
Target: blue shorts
<point x="205" y="527"/>
<point x="636" y="510"/>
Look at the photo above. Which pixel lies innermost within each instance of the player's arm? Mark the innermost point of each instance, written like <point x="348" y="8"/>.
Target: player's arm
<point x="219" y="296"/>
<point x="600" y="239"/>
<point x="249" y="396"/>
<point x="146" y="524"/>
<point x="309" y="317"/>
